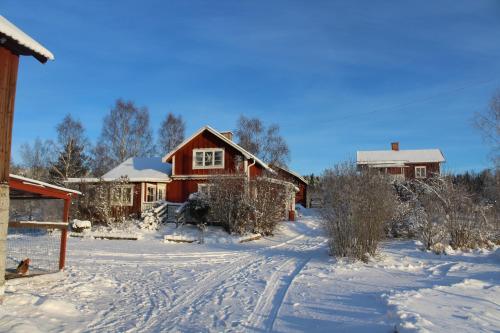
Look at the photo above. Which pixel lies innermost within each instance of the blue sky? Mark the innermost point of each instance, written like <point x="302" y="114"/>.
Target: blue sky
<point x="337" y="76"/>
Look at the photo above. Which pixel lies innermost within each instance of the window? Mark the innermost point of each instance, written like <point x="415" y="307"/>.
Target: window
<point x="150" y="193"/>
<point x="122" y="196"/>
<point x="420" y="172"/>
<point x="210" y="158"/>
<point x="204" y="188"/>
<point x="160" y="195"/>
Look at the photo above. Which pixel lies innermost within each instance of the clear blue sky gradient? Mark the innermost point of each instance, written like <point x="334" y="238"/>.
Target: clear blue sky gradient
<point x="337" y="76"/>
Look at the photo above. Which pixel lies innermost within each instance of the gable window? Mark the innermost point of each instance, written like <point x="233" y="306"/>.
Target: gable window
<point x="420" y="172"/>
<point x="150" y="193"/>
<point x="209" y="158"/>
<point x="122" y="196"/>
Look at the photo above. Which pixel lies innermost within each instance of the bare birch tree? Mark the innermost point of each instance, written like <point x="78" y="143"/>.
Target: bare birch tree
<point x="125" y="133"/>
<point x="265" y="142"/>
<point x="37" y="158"/>
<point x="171" y="133"/>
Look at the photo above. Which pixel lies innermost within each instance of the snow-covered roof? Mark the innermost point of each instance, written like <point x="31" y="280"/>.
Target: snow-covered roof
<point x="398" y="157"/>
<point x="139" y="169"/>
<point x="42" y="184"/>
<point x="245" y="153"/>
<point x="23" y="43"/>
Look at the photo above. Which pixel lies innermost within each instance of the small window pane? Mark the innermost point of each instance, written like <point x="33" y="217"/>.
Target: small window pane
<point x="150" y="194"/>
<point x="218" y="157"/>
<point x="127" y="195"/>
<point x="199" y="158"/>
<point x="209" y="158"/>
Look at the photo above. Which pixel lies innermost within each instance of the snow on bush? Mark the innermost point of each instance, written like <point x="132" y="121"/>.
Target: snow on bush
<point x="80" y="226"/>
<point x="154" y="216"/>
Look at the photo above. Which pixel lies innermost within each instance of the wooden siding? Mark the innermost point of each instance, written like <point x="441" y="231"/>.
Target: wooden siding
<point x="300" y="197"/>
<point x="184" y="156"/>
<point x="9" y="63"/>
<point x="432" y="169"/>
<point x="179" y="190"/>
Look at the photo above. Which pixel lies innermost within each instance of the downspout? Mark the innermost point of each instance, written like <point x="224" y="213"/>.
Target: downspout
<point x="249" y="166"/>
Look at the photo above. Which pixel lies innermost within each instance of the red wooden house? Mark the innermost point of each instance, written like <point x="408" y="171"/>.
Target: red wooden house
<point x="183" y="171"/>
<point x="403" y="164"/>
<point x="207" y="152"/>
<point x="297" y="180"/>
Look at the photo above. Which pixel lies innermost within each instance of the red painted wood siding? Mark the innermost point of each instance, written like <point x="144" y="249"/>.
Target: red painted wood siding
<point x="184" y="156"/>
<point x="432" y="169"/>
<point x="8" y="77"/>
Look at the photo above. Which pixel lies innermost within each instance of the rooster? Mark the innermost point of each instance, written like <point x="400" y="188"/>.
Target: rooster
<point x="23" y="267"/>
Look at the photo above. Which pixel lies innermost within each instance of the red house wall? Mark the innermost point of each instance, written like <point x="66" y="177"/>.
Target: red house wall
<point x="179" y="189"/>
<point x="184" y="156"/>
<point x="432" y="168"/>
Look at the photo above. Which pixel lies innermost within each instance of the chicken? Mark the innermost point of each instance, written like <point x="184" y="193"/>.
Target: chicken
<point x="23" y="266"/>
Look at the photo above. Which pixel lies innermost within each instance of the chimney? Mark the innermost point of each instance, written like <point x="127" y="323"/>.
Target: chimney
<point x="395" y="146"/>
<point x="228" y="135"/>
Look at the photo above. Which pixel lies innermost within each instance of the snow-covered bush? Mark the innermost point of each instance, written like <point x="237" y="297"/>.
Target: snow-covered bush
<point x="152" y="218"/>
<point x="101" y="202"/>
<point x="357" y="206"/>
<point x="80" y="226"/>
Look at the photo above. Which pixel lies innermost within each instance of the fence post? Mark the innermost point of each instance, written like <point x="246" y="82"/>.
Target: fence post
<point x="64" y="234"/>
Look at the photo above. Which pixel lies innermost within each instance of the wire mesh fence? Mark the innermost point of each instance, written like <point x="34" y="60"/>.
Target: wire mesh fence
<point x="36" y="245"/>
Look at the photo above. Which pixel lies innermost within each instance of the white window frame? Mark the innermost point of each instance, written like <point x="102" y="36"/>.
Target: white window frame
<point x="418" y="174"/>
<point x="204" y="185"/>
<point x="206" y="150"/>
<point x="154" y="193"/>
<point x="121" y="202"/>
<point x="163" y="189"/>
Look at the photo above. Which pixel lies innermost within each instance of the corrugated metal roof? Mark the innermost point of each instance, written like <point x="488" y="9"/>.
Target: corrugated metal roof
<point x="395" y="156"/>
<point x="13" y="32"/>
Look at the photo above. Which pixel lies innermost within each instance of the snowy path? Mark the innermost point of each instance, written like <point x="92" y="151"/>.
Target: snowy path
<point x="286" y="283"/>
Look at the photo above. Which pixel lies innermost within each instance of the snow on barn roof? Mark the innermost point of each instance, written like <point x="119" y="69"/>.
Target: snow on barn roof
<point x="245" y="153"/>
<point x="139" y="169"/>
<point x="38" y="183"/>
<point x="400" y="156"/>
<point x="14" y="38"/>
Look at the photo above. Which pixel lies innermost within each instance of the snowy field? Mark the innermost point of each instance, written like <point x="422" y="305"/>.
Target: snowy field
<point x="286" y="283"/>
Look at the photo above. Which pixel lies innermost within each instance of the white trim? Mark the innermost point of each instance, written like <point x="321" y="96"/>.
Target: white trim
<point x="293" y="173"/>
<point x="201" y="185"/>
<point x="245" y="153"/>
<point x="163" y="188"/>
<point x="173" y="166"/>
<point x="30" y="181"/>
<point x="425" y="172"/>
<point x="148" y="186"/>
<point x="208" y="150"/>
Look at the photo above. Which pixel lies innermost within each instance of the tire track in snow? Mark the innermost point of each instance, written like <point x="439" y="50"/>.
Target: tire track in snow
<point x="269" y="304"/>
<point x="159" y="312"/>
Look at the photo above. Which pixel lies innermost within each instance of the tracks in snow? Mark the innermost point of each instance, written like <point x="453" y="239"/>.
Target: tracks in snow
<point x="233" y="271"/>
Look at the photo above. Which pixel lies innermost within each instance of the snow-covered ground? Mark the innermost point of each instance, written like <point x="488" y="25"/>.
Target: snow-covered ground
<point x="286" y="283"/>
